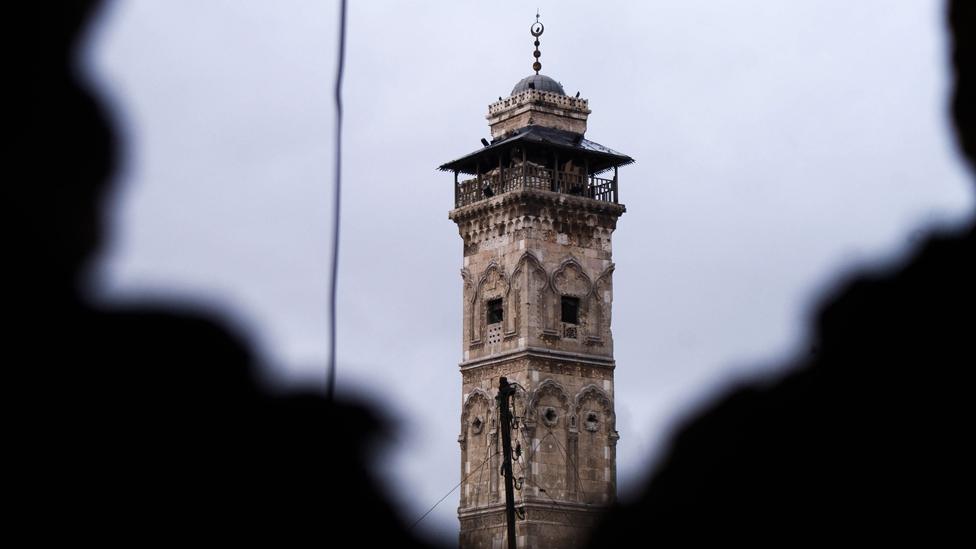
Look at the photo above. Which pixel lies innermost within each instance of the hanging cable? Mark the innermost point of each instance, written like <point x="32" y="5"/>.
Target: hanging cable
<point x="520" y="482"/>
<point x="336" y="205"/>
<point x="487" y="455"/>
<point x="451" y="491"/>
<point x="532" y="452"/>
<point x="579" y="482"/>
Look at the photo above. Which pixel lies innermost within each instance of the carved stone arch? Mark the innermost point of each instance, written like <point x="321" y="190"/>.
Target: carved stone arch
<point x="526" y="258"/>
<point x="475" y="396"/>
<point x="592" y="391"/>
<point x="596" y="439"/>
<point x="528" y="287"/>
<point x="602" y="306"/>
<point x="467" y="291"/>
<point x="607" y="274"/>
<point x="595" y="393"/>
<point x="547" y="388"/>
<point x="552" y="387"/>
<point x="477" y="441"/>
<point x="551" y="409"/>
<point x="571" y="279"/>
<point x="486" y="278"/>
<point x="491" y="284"/>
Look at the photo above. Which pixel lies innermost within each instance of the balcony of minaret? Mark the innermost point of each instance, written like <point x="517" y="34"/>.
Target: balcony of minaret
<point x="538" y="158"/>
<point x="525" y="175"/>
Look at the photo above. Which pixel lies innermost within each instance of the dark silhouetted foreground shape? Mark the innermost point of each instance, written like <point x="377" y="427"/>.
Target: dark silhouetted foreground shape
<point x="147" y="423"/>
<point x="868" y="438"/>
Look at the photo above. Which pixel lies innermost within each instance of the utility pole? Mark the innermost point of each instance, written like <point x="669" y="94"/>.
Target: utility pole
<point x="505" y="422"/>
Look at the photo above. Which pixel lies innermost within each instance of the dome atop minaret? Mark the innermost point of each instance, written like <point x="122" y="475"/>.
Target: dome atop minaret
<point x="539" y="82"/>
<point x="537" y="100"/>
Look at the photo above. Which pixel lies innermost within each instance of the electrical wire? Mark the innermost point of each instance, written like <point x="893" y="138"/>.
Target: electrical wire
<point x="524" y="474"/>
<point x="481" y="476"/>
<point x="422" y="517"/>
<point x="336" y="205"/>
<point x="542" y="490"/>
<point x="579" y="481"/>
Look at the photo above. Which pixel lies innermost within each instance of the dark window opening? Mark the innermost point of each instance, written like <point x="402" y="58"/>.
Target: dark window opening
<point x="571" y="309"/>
<point x="495" y="312"/>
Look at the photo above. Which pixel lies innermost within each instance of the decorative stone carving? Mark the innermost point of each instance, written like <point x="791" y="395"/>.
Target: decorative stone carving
<point x="527" y="262"/>
<point x="492" y="284"/>
<point x="592" y="422"/>
<point x="570" y="279"/>
<point x="592" y="393"/>
<point x="548" y="387"/>
<point x="538" y="215"/>
<point x="478" y="403"/>
<point x="475" y="445"/>
<point x="549" y="416"/>
<point x="602" y="302"/>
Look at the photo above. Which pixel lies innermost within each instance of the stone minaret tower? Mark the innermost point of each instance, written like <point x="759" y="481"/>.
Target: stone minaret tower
<point x="536" y="209"/>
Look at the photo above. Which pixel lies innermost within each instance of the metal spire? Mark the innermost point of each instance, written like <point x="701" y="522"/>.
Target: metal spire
<point x="536" y="30"/>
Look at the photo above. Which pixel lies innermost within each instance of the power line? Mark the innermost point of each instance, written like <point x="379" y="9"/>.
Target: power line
<point x="579" y="482"/>
<point x="527" y="462"/>
<point x="569" y="519"/>
<point x="519" y="461"/>
<point x="422" y="517"/>
<point x="487" y="450"/>
<point x="336" y="205"/>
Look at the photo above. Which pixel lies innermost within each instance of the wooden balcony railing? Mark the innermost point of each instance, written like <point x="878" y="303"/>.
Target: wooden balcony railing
<point x="500" y="181"/>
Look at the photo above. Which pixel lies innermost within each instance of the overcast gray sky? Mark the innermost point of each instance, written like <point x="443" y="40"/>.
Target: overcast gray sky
<point x="779" y="146"/>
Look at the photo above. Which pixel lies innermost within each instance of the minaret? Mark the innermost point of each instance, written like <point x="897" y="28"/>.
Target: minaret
<point x="536" y="208"/>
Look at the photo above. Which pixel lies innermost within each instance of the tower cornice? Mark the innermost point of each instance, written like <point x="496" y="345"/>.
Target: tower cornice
<point x="539" y="216"/>
<point x="539" y="352"/>
<point x="540" y="97"/>
<point x="534" y="198"/>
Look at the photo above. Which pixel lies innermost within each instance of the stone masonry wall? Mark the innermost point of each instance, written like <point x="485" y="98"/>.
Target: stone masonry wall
<point x="541" y="108"/>
<point x="529" y="249"/>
